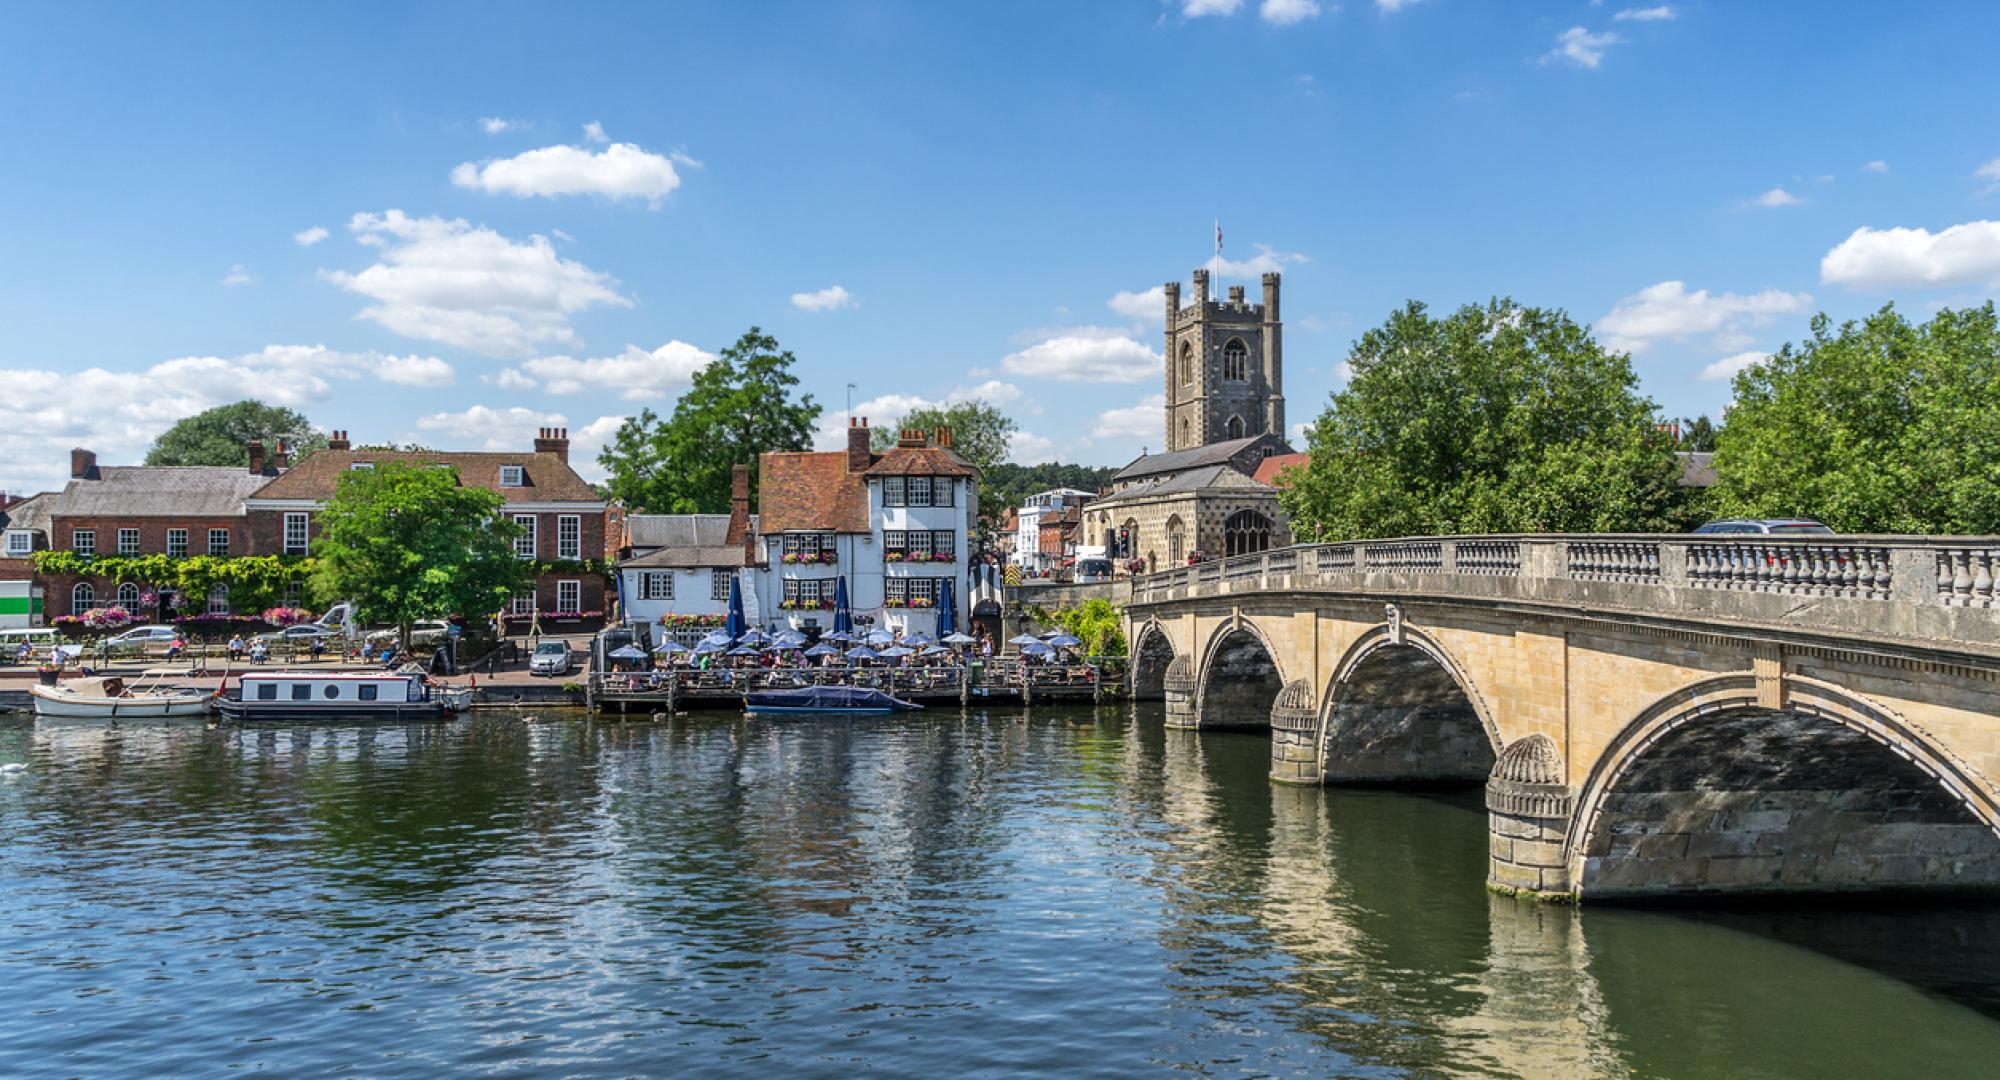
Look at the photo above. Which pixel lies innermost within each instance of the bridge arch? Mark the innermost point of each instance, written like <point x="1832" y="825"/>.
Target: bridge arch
<point x="1238" y="679"/>
<point x="1400" y="708"/>
<point x="1718" y="788"/>
<point x="1152" y="653"/>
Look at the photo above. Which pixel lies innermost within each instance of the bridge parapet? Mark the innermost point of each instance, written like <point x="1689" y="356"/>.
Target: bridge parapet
<point x="1929" y="591"/>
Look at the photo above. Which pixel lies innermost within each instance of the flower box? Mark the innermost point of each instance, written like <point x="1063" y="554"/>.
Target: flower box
<point x="892" y="556"/>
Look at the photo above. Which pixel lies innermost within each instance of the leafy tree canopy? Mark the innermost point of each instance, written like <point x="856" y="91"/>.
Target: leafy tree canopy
<point x="1012" y="484"/>
<point x="1499" y="418"/>
<point x="221" y="436"/>
<point x="1697" y="433"/>
<point x="740" y="406"/>
<point x="1882" y="426"/>
<point x="406" y="543"/>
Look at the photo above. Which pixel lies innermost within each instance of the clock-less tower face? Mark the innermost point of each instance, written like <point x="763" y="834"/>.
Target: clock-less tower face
<point x="1225" y="378"/>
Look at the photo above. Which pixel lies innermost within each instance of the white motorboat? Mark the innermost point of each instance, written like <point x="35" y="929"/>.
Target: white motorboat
<point x="110" y="697"/>
<point x="342" y="695"/>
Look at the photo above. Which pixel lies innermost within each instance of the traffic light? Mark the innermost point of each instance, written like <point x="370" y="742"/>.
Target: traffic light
<point x="1124" y="543"/>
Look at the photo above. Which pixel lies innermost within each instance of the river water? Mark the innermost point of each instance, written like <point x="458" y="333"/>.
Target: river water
<point x="925" y="896"/>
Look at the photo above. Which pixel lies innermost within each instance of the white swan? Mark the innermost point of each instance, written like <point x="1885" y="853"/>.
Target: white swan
<point x="13" y="767"/>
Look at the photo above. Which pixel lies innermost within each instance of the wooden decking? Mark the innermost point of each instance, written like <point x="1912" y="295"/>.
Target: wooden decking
<point x="1001" y="680"/>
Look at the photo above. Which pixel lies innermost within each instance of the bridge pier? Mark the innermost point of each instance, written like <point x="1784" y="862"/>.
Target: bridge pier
<point x="1294" y="731"/>
<point x="1528" y="813"/>
<point x="1177" y="688"/>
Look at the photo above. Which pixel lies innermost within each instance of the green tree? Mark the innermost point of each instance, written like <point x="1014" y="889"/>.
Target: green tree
<point x="1882" y="426"/>
<point x="406" y="543"/>
<point x="1499" y="418"/>
<point x="740" y="406"/>
<point x="1698" y="433"/>
<point x="1014" y="483"/>
<point x="980" y="433"/>
<point x="1096" y="623"/>
<point x="221" y="436"/>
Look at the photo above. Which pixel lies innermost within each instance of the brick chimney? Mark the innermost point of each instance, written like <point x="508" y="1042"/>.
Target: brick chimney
<point x="278" y="457"/>
<point x="859" y="457"/>
<point x="256" y="457"/>
<point x="739" y="513"/>
<point x="553" y="440"/>
<point x="82" y="464"/>
<point x="339" y="442"/>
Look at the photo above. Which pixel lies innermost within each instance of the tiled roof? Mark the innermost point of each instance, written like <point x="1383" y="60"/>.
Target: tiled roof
<point x="546" y="477"/>
<point x="1270" y="467"/>
<point x="29" y="513"/>
<point x="920" y="461"/>
<point x="728" y="555"/>
<point x="810" y="490"/>
<point x="660" y="540"/>
<point x="1194" y="457"/>
<point x="159" y="491"/>
<point x="1209" y="478"/>
<point x="1697" y="468"/>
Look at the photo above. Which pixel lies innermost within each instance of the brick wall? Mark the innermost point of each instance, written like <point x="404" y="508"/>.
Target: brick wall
<point x="152" y="533"/>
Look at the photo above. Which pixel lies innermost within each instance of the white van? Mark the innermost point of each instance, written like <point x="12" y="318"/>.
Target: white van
<point x="41" y="642"/>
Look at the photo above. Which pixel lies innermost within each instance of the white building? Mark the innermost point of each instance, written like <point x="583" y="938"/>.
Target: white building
<point x="674" y="570"/>
<point x="1028" y="553"/>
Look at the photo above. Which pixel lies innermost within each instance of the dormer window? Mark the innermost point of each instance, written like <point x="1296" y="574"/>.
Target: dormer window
<point x="362" y="465"/>
<point x="513" y="476"/>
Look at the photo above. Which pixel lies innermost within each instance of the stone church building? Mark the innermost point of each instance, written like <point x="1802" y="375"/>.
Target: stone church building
<point x="1225" y="415"/>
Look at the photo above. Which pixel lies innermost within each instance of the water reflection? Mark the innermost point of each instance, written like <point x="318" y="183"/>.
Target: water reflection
<point x="996" y="892"/>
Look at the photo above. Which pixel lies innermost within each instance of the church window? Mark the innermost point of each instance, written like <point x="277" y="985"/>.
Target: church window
<point x="1235" y="361"/>
<point x="1235" y="427"/>
<point x="1186" y="438"/>
<point x="1246" y="532"/>
<point x="1187" y="362"/>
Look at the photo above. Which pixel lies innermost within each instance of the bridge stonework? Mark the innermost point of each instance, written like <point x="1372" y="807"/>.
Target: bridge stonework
<point x="1649" y="715"/>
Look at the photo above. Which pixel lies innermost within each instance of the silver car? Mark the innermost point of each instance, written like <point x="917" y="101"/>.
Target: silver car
<point x="1765" y="526"/>
<point x="551" y="658"/>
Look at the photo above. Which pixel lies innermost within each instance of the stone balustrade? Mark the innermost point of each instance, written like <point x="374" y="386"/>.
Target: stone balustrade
<point x="1918" y="589"/>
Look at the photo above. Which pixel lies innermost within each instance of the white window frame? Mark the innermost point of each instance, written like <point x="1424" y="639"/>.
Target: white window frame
<point x="83" y="541"/>
<point x="82" y="598"/>
<point x="569" y="597"/>
<point x="513" y="476"/>
<point x="892" y="491"/>
<point x="127" y="597"/>
<point x="218" y="600"/>
<point x="941" y="490"/>
<point x="944" y="542"/>
<point x="218" y="542"/>
<point x="298" y="533"/>
<point x="177" y="543"/>
<point x="912" y="485"/>
<point x="128" y="541"/>
<point x="569" y="536"/>
<point x="524" y="544"/>
<point x="718" y="584"/>
<point x="521" y="603"/>
<point x="656" y="584"/>
<point x="295" y="593"/>
<point x="917" y="545"/>
<point x="20" y="543"/>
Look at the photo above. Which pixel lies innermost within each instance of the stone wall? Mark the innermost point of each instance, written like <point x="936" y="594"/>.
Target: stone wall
<point x="1398" y="716"/>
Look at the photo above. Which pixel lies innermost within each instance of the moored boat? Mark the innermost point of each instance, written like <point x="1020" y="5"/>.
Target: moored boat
<point x="110" y="697"/>
<point x="341" y="695"/>
<point x="847" y="700"/>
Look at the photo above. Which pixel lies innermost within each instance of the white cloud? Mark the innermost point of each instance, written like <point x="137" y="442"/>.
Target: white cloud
<point x="1195" y="9"/>
<point x="992" y="392"/>
<point x="237" y="275"/>
<point x="1728" y="366"/>
<point x="827" y="299"/>
<point x="486" y="428"/>
<point x="636" y="374"/>
<point x="511" y="379"/>
<point x="586" y="442"/>
<point x="414" y="371"/>
<point x="119" y="413"/>
<point x="1146" y="419"/>
<point x="1028" y="448"/>
<point x="1150" y="305"/>
<point x="494" y="125"/>
<point x="1086" y="354"/>
<point x="309" y="237"/>
<point x="594" y="132"/>
<point x="1580" y="47"/>
<point x="1668" y="311"/>
<point x="1266" y="260"/>
<point x="1287" y="12"/>
<point x="619" y="171"/>
<point x="1914" y="258"/>
<point x="1876" y="166"/>
<point x="1776" y="197"/>
<point x="1651" y="14"/>
<point x="1989" y="171"/>
<point x="1390" y="7"/>
<point x="448" y="281"/>
<point x="1298" y="434"/>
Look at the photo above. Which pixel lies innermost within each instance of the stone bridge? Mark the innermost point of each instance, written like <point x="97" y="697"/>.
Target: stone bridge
<point x="1649" y="715"/>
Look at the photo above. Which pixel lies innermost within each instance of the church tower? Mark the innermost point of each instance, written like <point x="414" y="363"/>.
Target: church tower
<point x="1225" y="366"/>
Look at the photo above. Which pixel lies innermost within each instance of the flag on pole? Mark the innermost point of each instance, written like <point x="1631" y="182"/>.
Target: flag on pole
<point x="1218" y="237"/>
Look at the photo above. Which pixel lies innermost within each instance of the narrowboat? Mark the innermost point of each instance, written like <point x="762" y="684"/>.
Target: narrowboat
<point x="109" y="697"/>
<point x="342" y="695"/>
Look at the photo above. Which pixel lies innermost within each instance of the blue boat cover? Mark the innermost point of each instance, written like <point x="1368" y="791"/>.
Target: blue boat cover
<point x="829" y="699"/>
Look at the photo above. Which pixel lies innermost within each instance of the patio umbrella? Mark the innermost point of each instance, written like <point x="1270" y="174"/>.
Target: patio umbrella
<point x="671" y="647"/>
<point x="1065" y="641"/>
<point x="1038" y="649"/>
<point x="626" y="653"/>
<point x="918" y="639"/>
<point x="843" y="619"/>
<point x="879" y="637"/>
<point x="947" y="608"/>
<point x="822" y="650"/>
<point x="753" y="637"/>
<point x="935" y="650"/>
<point x="837" y="635"/>
<point x="733" y="625"/>
<point x="789" y="635"/>
<point x="717" y="637"/>
<point x="711" y="647"/>
<point x="744" y="650"/>
<point x="898" y="650"/>
<point x="787" y="646"/>
<point x="1024" y="640"/>
<point x="959" y="639"/>
<point x="861" y="652"/>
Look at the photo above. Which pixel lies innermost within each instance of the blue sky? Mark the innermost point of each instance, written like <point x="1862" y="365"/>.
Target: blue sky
<point x="454" y="223"/>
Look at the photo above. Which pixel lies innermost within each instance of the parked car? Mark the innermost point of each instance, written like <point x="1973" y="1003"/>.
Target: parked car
<point x="302" y="634"/>
<point x="1767" y="526"/>
<point x="422" y="632"/>
<point x="551" y="658"/>
<point x="142" y="640"/>
<point x="1092" y="571"/>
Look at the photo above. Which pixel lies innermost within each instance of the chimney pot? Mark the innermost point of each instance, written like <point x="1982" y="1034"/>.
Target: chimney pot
<point x="82" y="464"/>
<point x="279" y="457"/>
<point x="555" y="441"/>
<point x="256" y="457"/>
<point x="859" y="456"/>
<point x="339" y="442"/>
